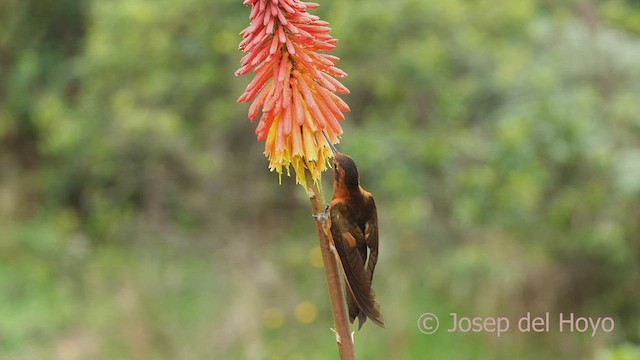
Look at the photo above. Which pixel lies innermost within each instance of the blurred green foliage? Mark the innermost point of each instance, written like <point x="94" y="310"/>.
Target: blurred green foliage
<point x="138" y="219"/>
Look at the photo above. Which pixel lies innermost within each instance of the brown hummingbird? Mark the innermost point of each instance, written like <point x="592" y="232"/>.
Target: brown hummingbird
<point x="353" y="231"/>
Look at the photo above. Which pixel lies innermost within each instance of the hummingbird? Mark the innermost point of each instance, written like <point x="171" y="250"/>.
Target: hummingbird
<point x="353" y="230"/>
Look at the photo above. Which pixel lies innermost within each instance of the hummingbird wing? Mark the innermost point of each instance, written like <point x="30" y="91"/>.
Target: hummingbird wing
<point x="371" y="235"/>
<point x="349" y="241"/>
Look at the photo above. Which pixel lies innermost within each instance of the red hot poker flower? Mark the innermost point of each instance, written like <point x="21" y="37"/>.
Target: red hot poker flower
<point x="294" y="85"/>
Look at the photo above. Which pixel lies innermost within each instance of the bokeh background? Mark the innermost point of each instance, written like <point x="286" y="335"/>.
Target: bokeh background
<point x="138" y="219"/>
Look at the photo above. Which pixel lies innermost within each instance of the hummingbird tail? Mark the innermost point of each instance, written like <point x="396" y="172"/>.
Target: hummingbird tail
<point x="354" y="310"/>
<point x="363" y="307"/>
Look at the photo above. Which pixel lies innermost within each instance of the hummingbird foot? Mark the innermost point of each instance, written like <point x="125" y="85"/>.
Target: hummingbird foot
<point x="337" y="335"/>
<point x="322" y="217"/>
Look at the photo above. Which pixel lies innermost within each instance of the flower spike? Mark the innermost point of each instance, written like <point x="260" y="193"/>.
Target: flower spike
<point x="293" y="90"/>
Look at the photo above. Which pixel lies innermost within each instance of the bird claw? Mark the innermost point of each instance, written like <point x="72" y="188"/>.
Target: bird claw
<point x="322" y="217"/>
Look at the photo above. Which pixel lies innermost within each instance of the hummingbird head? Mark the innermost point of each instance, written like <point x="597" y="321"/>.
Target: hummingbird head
<point x="345" y="172"/>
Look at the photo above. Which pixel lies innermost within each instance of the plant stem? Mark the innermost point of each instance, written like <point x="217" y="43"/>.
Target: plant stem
<point x="332" y="273"/>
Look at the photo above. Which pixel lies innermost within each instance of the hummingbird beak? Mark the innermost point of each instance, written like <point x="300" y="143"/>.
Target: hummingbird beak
<point x="333" y="148"/>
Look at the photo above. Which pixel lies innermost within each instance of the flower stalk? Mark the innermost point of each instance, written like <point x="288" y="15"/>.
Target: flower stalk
<point x="332" y="273"/>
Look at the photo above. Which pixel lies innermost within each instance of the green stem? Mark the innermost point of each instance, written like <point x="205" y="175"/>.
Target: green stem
<point x="332" y="273"/>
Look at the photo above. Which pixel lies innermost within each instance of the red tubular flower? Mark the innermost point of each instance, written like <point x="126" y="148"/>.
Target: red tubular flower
<point x="294" y="85"/>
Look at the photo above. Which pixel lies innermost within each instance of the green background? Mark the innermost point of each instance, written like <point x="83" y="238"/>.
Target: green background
<point x="138" y="219"/>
